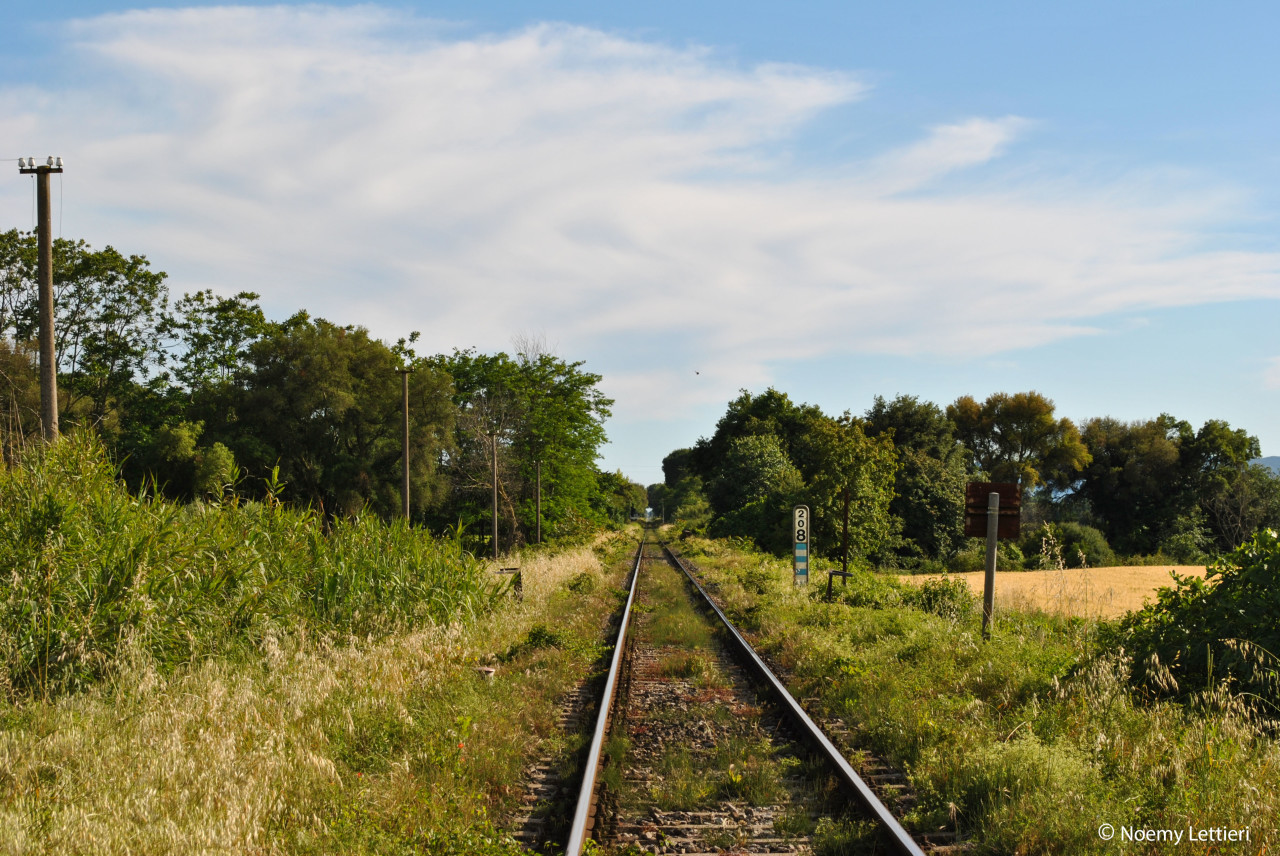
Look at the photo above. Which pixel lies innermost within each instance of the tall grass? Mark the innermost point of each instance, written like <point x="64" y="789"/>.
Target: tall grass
<point x="88" y="570"/>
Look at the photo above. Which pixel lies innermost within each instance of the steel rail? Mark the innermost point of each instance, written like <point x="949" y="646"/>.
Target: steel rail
<point x="900" y="837"/>
<point x="578" y="830"/>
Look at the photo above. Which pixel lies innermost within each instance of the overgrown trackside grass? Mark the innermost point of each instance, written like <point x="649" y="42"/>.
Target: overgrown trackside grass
<point x="86" y="569"/>
<point x="1030" y="741"/>
<point x="341" y="712"/>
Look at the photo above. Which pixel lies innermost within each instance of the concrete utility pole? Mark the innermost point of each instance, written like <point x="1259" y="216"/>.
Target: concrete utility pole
<point x="495" y="495"/>
<point x="989" y="579"/>
<point x="404" y="400"/>
<point x="44" y="272"/>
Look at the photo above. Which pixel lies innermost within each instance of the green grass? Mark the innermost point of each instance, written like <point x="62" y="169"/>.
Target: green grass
<point x="1029" y="741"/>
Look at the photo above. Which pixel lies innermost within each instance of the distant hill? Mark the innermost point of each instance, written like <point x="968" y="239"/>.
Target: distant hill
<point x="1272" y="461"/>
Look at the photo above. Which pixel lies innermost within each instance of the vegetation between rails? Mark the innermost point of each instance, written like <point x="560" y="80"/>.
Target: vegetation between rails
<point x="1029" y="742"/>
<point x="253" y="685"/>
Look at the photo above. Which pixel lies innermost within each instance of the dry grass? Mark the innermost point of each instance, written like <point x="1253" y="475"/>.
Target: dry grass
<point x="309" y="747"/>
<point x="1084" y="592"/>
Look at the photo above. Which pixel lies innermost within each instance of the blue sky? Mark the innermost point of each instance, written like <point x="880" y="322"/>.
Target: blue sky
<point x="837" y="199"/>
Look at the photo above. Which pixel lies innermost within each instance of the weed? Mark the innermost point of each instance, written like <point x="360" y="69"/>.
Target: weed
<point x="844" y="837"/>
<point x="794" y="822"/>
<point x="582" y="583"/>
<point x="684" y="784"/>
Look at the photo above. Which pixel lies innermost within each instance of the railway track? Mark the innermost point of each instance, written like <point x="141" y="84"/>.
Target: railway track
<point x="699" y="749"/>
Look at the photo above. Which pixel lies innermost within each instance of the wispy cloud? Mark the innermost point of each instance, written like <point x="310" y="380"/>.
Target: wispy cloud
<point x="947" y="148"/>
<point x="1271" y="375"/>
<point x="397" y="172"/>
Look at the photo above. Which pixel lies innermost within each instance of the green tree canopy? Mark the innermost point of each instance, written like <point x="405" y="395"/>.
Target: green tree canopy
<point x="324" y="402"/>
<point x="772" y="413"/>
<point x="929" y="482"/>
<point x="213" y="335"/>
<point x="108" y="308"/>
<point x="1016" y="438"/>
<point x="536" y="407"/>
<point x="843" y="457"/>
<point x="1153" y="482"/>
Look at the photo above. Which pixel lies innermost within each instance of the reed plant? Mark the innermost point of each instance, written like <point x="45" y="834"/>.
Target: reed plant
<point x="87" y="568"/>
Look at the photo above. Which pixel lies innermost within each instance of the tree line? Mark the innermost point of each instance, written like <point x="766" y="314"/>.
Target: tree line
<point x="203" y="397"/>
<point x="1151" y="488"/>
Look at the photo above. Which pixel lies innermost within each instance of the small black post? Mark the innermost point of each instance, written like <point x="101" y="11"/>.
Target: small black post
<point x="845" y="563"/>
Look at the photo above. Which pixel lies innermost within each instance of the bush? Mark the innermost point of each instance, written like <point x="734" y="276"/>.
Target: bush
<point x="1198" y="632"/>
<point x="949" y="598"/>
<point x="974" y="557"/>
<point x="862" y="588"/>
<point x="1072" y="540"/>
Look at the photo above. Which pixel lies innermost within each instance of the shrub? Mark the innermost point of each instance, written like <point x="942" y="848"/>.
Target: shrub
<point x="1222" y="627"/>
<point x="862" y="588"/>
<point x="1073" y="540"/>
<point x="949" y="598"/>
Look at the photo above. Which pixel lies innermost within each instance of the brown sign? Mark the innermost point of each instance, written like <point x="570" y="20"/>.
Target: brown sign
<point x="975" y="509"/>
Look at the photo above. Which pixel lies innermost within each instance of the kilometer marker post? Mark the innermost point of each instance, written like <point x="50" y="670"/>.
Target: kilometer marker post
<point x="800" y="555"/>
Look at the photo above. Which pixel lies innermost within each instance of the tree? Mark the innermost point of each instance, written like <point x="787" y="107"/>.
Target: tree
<point x="175" y="464"/>
<point x="770" y="413"/>
<point x="107" y="312"/>
<point x="754" y="468"/>
<point x="19" y="398"/>
<point x="617" y="497"/>
<point x="1016" y="438"/>
<point x="1243" y="503"/>
<point x="324" y="403"/>
<point x="842" y="457"/>
<point x="676" y="466"/>
<point x="1155" y="485"/>
<point x="1136" y="482"/>
<point x="929" y="482"/>
<point x="537" y="407"/>
<point x="214" y="334"/>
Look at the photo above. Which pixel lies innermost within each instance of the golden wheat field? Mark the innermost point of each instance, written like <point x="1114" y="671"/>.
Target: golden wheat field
<point x="1086" y="592"/>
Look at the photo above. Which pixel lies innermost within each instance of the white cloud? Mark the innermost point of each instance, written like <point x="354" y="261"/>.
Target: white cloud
<point x="386" y="170"/>
<point x="1271" y="375"/>
<point x="946" y="149"/>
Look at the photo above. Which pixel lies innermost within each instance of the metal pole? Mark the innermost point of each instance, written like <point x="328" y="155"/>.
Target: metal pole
<point x="538" y="502"/>
<point x="404" y="401"/>
<point x="845" y="564"/>
<point x="44" y="268"/>
<point x="989" y="582"/>
<point x="495" y="495"/>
